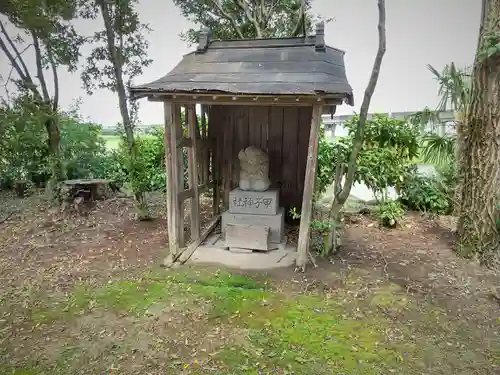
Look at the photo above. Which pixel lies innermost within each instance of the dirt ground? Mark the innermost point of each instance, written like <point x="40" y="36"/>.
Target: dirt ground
<point x="45" y="253"/>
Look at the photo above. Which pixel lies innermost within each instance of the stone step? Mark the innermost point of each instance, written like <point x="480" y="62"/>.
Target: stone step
<point x="254" y="237"/>
<point x="276" y="223"/>
<point x="254" y="202"/>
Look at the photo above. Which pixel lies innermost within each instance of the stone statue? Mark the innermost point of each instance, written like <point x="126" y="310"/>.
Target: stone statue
<point x="254" y="169"/>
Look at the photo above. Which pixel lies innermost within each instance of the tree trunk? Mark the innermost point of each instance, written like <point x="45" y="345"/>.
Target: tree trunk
<point x="58" y="173"/>
<point x="478" y="226"/>
<point x="344" y="191"/>
<point x="117" y="62"/>
<point x="459" y="141"/>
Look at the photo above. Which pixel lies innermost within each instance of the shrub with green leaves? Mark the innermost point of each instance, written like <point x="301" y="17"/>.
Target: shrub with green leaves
<point x="325" y="172"/>
<point x="389" y="147"/>
<point x="425" y="193"/>
<point x="83" y="148"/>
<point x="24" y="147"/>
<point x="389" y="213"/>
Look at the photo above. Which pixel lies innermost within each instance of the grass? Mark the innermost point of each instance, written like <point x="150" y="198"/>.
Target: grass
<point x="195" y="321"/>
<point x="113" y="141"/>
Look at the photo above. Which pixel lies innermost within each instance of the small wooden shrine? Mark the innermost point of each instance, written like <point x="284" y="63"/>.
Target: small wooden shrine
<point x="268" y="93"/>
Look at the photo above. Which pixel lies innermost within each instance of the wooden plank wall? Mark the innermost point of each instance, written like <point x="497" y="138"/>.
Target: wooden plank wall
<point x="283" y="132"/>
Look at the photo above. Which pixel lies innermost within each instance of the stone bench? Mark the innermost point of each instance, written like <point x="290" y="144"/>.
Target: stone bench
<point x="89" y="190"/>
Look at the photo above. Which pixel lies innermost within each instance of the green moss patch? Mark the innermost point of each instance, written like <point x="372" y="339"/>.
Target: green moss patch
<point x="193" y="321"/>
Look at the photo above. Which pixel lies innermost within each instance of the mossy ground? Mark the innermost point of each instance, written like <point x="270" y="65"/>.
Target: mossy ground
<point x="78" y="295"/>
<point x="193" y="321"/>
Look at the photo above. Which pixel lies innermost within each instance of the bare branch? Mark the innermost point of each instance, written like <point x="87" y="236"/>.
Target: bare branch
<point x="13" y="61"/>
<point x="244" y="6"/>
<point x="229" y="17"/>
<point x="39" y="68"/>
<point x="359" y="136"/>
<point x="16" y="51"/>
<point x="12" y="69"/>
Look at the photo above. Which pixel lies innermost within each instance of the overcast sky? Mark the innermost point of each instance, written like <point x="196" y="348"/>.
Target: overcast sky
<point x="419" y="32"/>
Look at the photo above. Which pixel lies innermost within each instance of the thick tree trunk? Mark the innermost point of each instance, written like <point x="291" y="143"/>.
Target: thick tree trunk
<point x="478" y="226"/>
<point x="459" y="142"/>
<point x="117" y="62"/>
<point x="58" y="173"/>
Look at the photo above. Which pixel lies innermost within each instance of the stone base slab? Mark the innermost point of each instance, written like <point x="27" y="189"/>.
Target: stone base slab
<point x="276" y="223"/>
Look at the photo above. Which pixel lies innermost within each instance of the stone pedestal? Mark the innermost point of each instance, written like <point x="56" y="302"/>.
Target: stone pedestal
<point x="254" y="202"/>
<point x="276" y="223"/>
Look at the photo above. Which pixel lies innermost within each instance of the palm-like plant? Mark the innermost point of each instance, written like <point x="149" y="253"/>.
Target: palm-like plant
<point x="438" y="149"/>
<point x="454" y="91"/>
<point x="454" y="87"/>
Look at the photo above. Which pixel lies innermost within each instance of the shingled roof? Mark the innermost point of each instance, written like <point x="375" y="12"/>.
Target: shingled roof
<point x="280" y="66"/>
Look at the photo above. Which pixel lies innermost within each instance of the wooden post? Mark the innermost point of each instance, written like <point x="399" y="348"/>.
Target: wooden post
<point x="180" y="171"/>
<point x="205" y="163"/>
<point x="214" y="172"/>
<point x="309" y="181"/>
<point x="173" y="211"/>
<point x="192" y="124"/>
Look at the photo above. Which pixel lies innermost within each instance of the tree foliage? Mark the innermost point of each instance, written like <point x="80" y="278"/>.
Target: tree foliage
<point x="388" y="149"/>
<point x="25" y="153"/>
<point x="246" y="19"/>
<point x="47" y="33"/>
<point x="119" y="48"/>
<point x="118" y="57"/>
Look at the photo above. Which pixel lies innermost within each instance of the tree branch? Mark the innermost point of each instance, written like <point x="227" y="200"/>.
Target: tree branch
<point x="39" y="68"/>
<point x="17" y="62"/>
<point x="229" y="17"/>
<point x="244" y="6"/>
<point x="301" y="21"/>
<point x="16" y="51"/>
<point x="359" y="136"/>
<point x="55" y="75"/>
<point x="260" y="12"/>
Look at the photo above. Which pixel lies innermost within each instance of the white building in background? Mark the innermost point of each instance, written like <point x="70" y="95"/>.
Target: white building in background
<point x="334" y="125"/>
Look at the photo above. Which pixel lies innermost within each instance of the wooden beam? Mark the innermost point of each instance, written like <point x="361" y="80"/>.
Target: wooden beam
<point x="201" y="143"/>
<point x="186" y="252"/>
<point x="185" y="142"/>
<point x="185" y="194"/>
<point x="195" y="244"/>
<point x="193" y="172"/>
<point x="309" y="182"/>
<point x="277" y="100"/>
<point x="189" y="193"/>
<point x="175" y="220"/>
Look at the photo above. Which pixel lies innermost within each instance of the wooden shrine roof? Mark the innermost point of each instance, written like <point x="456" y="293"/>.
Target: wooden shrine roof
<point x="300" y="66"/>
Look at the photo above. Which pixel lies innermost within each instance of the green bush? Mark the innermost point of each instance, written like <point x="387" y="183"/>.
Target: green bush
<point x="24" y="147"/>
<point x="425" y="193"/>
<point x="389" y="147"/>
<point x="325" y="172"/>
<point x="147" y="171"/>
<point x="390" y="213"/>
<point x="83" y="149"/>
<point x="23" y="143"/>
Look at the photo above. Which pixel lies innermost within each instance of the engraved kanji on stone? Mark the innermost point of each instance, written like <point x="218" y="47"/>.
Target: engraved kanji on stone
<point x="248" y="202"/>
<point x="258" y="202"/>
<point x="238" y="202"/>
<point x="267" y="202"/>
